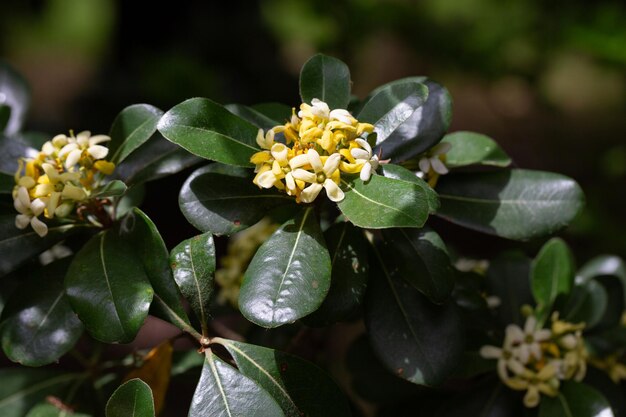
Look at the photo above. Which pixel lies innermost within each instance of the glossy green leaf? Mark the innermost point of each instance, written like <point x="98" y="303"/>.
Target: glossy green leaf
<point x="278" y="112"/>
<point x="38" y="324"/>
<point x="208" y="130"/>
<point x="132" y="127"/>
<point x="422" y="259"/>
<point x="12" y="148"/>
<point x="552" y="274"/>
<point x="469" y="148"/>
<point x="485" y="398"/>
<point x="155" y="159"/>
<point x="134" y="197"/>
<point x="586" y="303"/>
<point x="224" y="392"/>
<point x="575" y="400"/>
<point x="133" y="398"/>
<point x="22" y="388"/>
<point x="325" y="78"/>
<point x="108" y="288"/>
<point x="384" y="202"/>
<point x="49" y="410"/>
<point x="193" y="265"/>
<point x="391" y="106"/>
<point x="253" y="116"/>
<point x="299" y="387"/>
<point x="400" y="173"/>
<point x="508" y="278"/>
<point x="349" y="273"/>
<point x="142" y="234"/>
<point x="15" y="94"/>
<point x="501" y="204"/>
<point x="223" y="200"/>
<point x="407" y="331"/>
<point x="604" y="266"/>
<point x="289" y="275"/>
<point x="424" y="128"/>
<point x="18" y="246"/>
<point x="114" y="188"/>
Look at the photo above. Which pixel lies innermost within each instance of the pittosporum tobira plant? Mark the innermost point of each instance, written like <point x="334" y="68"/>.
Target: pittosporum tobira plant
<point x="327" y="205"/>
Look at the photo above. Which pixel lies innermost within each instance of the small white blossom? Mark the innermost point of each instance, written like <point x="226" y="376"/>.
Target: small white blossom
<point x="432" y="162"/>
<point x="320" y="178"/>
<point x="29" y="211"/>
<point x="370" y="162"/>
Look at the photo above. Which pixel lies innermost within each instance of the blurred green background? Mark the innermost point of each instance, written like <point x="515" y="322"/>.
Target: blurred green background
<point x="547" y="80"/>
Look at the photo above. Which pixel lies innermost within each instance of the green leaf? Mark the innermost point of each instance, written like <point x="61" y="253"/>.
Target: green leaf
<point x="133" y="398"/>
<point x="113" y="188"/>
<point x="193" y="265"/>
<point x="253" y="116"/>
<point x="422" y="259"/>
<point x="424" y="128"/>
<point x="38" y="324"/>
<point x="18" y="246"/>
<point x="414" y="338"/>
<point x="391" y="106"/>
<point x="299" y="387"/>
<point x="552" y="274"/>
<point x="12" y="148"/>
<point x="7" y="183"/>
<point x="400" y="173"/>
<point x="508" y="278"/>
<point x="586" y="303"/>
<point x="384" y="202"/>
<point x="224" y="392"/>
<point x="132" y="127"/>
<point x="134" y="197"/>
<point x="22" y="388"/>
<point x="289" y="275"/>
<point x="49" y="410"/>
<point x="5" y="116"/>
<point x="325" y="78"/>
<point x="142" y="234"/>
<point x="108" y="288"/>
<point x="278" y="112"/>
<point x="500" y="203"/>
<point x="15" y="94"/>
<point x="469" y="148"/>
<point x="349" y="272"/>
<point x="486" y="398"/>
<point x="604" y="266"/>
<point x="155" y="159"/>
<point x="208" y="130"/>
<point x="575" y="400"/>
<point x="223" y="200"/>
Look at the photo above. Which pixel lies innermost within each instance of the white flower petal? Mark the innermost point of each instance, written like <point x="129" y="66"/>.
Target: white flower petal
<point x="48" y="148"/>
<point x="542" y="335"/>
<point x="73" y="192"/>
<point x="366" y="172"/>
<point x="266" y="179"/>
<point x="332" y="163"/>
<point x="516" y="367"/>
<point x="53" y="203"/>
<point x="535" y="349"/>
<point x="26" y="181"/>
<point x="83" y="138"/>
<point x="298" y="161"/>
<point x="360" y="154"/>
<point x="22" y="195"/>
<point x="342" y="115"/>
<point x="310" y="193"/>
<point x="59" y="141"/>
<point x="529" y="326"/>
<point x="364" y="144"/>
<point x="523" y="352"/>
<point x="424" y="165"/>
<point x="94" y="140"/>
<point x="290" y="182"/>
<point x="37" y="206"/>
<point x="67" y="149"/>
<point x="490" y="352"/>
<point x="315" y="161"/>
<point x="22" y="221"/>
<point x="98" y="151"/>
<point x="72" y="158"/>
<point x="21" y="208"/>
<point x="514" y="334"/>
<point x="333" y="191"/>
<point x="39" y="227"/>
<point x="438" y="166"/>
<point x="303" y="175"/>
<point x="260" y="139"/>
<point x="280" y="152"/>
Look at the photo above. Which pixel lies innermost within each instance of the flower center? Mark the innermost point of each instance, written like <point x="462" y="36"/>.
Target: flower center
<point x="321" y="177"/>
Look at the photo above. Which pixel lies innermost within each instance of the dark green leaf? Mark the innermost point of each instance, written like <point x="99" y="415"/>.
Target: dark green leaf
<point x="49" y="410"/>
<point x="208" y="130"/>
<point x="223" y="200"/>
<point x="384" y="202"/>
<point x="193" y="265"/>
<point x="12" y="148"/>
<point x="469" y="148"/>
<point x="586" y="303"/>
<point x="508" y="278"/>
<point x="5" y="117"/>
<point x="500" y="203"/>
<point x="155" y="159"/>
<point x="289" y="275"/>
<point x="132" y="127"/>
<point x="15" y="94"/>
<point x="391" y="106"/>
<point x="18" y="246"/>
<point x="7" y="183"/>
<point x="299" y="387"/>
<point x="108" y="288"/>
<point x="280" y="113"/>
<point x="605" y="266"/>
<point x="486" y="398"/>
<point x="224" y="392"/>
<point x="22" y="388"/>
<point x="325" y="78"/>
<point x="424" y="128"/>
<point x="133" y="398"/>
<point x="552" y="274"/>
<point x="400" y="173"/>
<point x="253" y="116"/>
<point x="575" y="400"/>
<point x="407" y="331"/>
<point x="134" y="197"/>
<point x="349" y="272"/>
<point x="142" y="234"/>
<point x="38" y="324"/>
<point x="613" y="392"/>
<point x="114" y="188"/>
<point x="422" y="259"/>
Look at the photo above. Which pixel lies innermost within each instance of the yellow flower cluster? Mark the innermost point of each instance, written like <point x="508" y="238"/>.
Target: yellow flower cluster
<point x="59" y="178"/>
<point x="536" y="360"/>
<point x="241" y="249"/>
<point x="319" y="145"/>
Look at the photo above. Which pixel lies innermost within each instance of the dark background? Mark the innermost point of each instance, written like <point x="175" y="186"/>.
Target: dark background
<point x="547" y="80"/>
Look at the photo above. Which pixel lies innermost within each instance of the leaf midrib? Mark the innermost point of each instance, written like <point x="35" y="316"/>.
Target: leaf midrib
<point x="213" y="132"/>
<point x="376" y="202"/>
<point x="499" y="202"/>
<point x="43" y="321"/>
<point x="106" y="277"/>
<point x="199" y="292"/>
<point x="218" y="381"/>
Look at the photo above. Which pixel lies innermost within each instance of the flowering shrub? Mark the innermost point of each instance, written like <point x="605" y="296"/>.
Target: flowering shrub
<point x="501" y="334"/>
